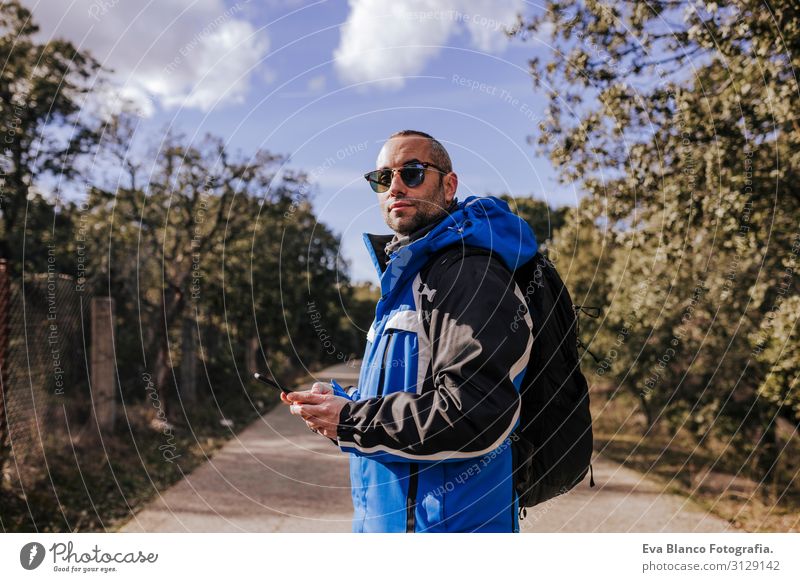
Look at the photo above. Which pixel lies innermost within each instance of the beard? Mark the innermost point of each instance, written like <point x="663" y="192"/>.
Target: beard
<point x="425" y="212"/>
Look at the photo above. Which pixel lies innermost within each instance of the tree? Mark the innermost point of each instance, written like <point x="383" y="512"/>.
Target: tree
<point x="679" y="120"/>
<point x="212" y="251"/>
<point x="42" y="132"/>
<point x="42" y="88"/>
<point x="544" y="221"/>
<point x="183" y="217"/>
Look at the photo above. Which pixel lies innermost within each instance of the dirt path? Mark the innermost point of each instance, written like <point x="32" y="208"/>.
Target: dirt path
<point x="277" y="476"/>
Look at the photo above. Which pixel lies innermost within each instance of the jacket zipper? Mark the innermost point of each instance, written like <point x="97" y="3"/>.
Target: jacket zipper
<point x="411" y="498"/>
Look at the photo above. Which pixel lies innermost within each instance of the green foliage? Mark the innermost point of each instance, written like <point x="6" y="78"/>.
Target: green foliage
<point x="197" y="244"/>
<point x="224" y="243"/>
<point x="42" y="87"/>
<point x="779" y="344"/>
<point x="679" y="120"/>
<point x="537" y="213"/>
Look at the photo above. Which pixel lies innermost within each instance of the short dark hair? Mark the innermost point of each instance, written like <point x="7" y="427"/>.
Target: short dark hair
<point x="439" y="155"/>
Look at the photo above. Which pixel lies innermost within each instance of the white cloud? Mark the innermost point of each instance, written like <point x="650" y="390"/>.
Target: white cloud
<point x="197" y="55"/>
<point x="383" y="41"/>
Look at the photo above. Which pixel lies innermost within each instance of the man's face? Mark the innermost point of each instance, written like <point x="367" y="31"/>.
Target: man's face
<point x="408" y="209"/>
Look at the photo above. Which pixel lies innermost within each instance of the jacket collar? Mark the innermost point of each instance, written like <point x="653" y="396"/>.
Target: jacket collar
<point x="376" y="243"/>
<point x="483" y="222"/>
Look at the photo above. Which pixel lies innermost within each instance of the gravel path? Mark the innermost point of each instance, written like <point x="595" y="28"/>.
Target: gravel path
<point x="277" y="476"/>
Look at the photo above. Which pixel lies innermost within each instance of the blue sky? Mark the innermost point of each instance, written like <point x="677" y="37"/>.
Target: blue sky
<point x="325" y="82"/>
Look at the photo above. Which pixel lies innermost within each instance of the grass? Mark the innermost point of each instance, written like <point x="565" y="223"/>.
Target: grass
<point x="716" y="477"/>
<point x="81" y="483"/>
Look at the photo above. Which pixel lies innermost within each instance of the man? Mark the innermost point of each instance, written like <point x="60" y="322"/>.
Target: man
<point x="428" y="425"/>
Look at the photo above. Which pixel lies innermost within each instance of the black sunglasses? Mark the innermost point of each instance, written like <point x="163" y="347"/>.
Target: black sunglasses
<point x="412" y="175"/>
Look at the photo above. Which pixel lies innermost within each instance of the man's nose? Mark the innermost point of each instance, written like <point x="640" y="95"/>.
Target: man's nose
<point x="397" y="185"/>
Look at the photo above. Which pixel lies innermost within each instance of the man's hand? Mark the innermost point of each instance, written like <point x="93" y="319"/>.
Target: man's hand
<point x="319" y="407"/>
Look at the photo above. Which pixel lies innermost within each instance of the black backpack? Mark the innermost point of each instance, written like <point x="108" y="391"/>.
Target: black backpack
<point x="552" y="446"/>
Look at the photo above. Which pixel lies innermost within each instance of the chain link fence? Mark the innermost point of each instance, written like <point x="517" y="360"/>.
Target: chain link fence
<point x="44" y="364"/>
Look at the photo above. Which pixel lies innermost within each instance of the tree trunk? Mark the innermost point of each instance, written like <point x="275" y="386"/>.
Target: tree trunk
<point x="254" y="361"/>
<point x="188" y="386"/>
<point x="161" y="374"/>
<point x="648" y="415"/>
<point x="171" y="309"/>
<point x="768" y="457"/>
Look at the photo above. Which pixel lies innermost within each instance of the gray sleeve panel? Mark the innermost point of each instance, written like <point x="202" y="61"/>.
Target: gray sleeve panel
<point x="471" y="404"/>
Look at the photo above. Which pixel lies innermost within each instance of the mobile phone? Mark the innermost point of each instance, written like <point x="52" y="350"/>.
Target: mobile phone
<point x="265" y="380"/>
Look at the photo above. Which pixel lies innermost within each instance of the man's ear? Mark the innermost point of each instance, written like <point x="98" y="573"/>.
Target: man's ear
<point x="450" y="187"/>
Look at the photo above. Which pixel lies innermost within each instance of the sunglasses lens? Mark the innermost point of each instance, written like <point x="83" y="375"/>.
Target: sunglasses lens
<point x="412" y="177"/>
<point x="380" y="180"/>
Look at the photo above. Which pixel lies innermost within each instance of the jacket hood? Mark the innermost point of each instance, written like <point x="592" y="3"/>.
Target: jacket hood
<point x="479" y="221"/>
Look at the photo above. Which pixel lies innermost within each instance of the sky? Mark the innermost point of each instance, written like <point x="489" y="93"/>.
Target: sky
<point x="324" y="83"/>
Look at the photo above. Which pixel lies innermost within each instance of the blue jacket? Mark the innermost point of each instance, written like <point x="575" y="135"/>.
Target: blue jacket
<point x="428" y="425"/>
